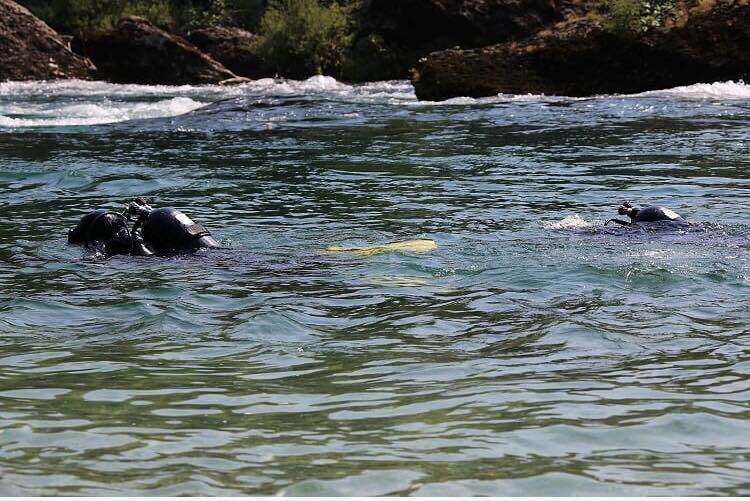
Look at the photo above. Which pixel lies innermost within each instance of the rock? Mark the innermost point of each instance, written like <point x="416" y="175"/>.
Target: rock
<point x="235" y="48"/>
<point x="395" y="34"/>
<point x="136" y="51"/>
<point x="372" y="59"/>
<point x="467" y="23"/>
<point x="235" y="81"/>
<point x="31" y="50"/>
<point x="579" y="58"/>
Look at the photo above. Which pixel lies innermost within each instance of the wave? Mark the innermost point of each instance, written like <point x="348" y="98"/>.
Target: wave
<point x="79" y="102"/>
<point x="44" y="115"/>
<point x="393" y="89"/>
<point x="716" y="90"/>
<point x="729" y="90"/>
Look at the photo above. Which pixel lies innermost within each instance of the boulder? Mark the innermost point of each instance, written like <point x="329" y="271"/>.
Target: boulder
<point x="578" y="57"/>
<point x="468" y="23"/>
<point x="136" y="51"/>
<point x="235" y="48"/>
<point x="31" y="50"/>
<point x="395" y="34"/>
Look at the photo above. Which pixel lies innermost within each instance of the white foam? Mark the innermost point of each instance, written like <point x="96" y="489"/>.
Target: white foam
<point x="104" y="111"/>
<point x="80" y="102"/>
<point x="567" y="223"/>
<point x="326" y="86"/>
<point x="75" y="88"/>
<point x="499" y="99"/>
<point x="716" y="90"/>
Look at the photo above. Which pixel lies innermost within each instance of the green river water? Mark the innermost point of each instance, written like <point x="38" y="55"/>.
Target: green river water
<point x="533" y="352"/>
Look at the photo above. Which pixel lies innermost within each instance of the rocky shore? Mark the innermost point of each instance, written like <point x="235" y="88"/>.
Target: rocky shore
<point x="136" y="51"/>
<point x="702" y="41"/>
<point x="31" y="50"/>
<point x="394" y="35"/>
<point x="450" y="48"/>
<point x="237" y="49"/>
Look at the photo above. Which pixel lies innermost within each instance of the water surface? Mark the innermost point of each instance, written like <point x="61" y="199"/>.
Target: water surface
<point x="532" y="353"/>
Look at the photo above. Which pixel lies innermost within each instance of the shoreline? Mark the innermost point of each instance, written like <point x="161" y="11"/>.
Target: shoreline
<point x="566" y="50"/>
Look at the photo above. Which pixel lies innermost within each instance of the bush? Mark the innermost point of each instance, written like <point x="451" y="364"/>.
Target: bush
<point x="246" y="13"/>
<point x="303" y="37"/>
<point x="78" y="16"/>
<point x="631" y="17"/>
<point x="215" y="13"/>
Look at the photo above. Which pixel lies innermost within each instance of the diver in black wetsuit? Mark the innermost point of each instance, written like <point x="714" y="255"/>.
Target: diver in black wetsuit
<point x="650" y="214"/>
<point x="160" y="232"/>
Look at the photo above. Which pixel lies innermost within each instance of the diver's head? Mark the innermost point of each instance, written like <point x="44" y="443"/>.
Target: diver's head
<point x="104" y="229"/>
<point x="169" y="231"/>
<point x="627" y="210"/>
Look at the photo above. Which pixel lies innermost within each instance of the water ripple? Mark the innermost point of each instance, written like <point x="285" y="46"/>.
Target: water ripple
<point x="532" y="352"/>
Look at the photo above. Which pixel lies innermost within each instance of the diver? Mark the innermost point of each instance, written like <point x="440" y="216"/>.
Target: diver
<point x="160" y="232"/>
<point x="650" y="214"/>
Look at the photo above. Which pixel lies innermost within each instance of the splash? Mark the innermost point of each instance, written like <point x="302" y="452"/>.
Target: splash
<point x="567" y="223"/>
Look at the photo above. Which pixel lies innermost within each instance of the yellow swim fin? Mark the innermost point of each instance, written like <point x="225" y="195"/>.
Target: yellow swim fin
<point x="406" y="246"/>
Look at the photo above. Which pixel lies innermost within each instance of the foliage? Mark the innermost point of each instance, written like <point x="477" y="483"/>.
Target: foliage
<point x="216" y="13"/>
<point x="303" y="37"/>
<point x="299" y="37"/>
<point x="77" y="16"/>
<point x="631" y="17"/>
<point x="246" y="13"/>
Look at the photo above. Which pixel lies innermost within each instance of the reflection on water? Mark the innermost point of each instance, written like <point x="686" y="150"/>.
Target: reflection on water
<point x="531" y="352"/>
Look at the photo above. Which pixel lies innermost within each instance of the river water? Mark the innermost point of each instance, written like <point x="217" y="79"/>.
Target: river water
<point x="533" y="352"/>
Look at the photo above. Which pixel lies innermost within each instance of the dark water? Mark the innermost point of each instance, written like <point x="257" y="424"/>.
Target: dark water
<point x="531" y="353"/>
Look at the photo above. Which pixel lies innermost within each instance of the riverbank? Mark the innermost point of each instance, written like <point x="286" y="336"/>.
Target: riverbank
<point x="449" y="48"/>
<point x="581" y="56"/>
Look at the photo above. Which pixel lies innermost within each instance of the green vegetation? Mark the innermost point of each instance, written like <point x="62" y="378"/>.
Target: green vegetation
<point x="81" y="16"/>
<point x="300" y="37"/>
<point x="243" y="13"/>
<point x="75" y="16"/>
<point x="303" y="37"/>
<point x="631" y="17"/>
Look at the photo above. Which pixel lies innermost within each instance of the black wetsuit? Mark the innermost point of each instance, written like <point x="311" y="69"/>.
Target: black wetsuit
<point x="156" y="232"/>
<point x="650" y="214"/>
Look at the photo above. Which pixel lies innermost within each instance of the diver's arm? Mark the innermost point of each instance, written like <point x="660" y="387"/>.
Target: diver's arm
<point x="618" y="221"/>
<point x="139" y="246"/>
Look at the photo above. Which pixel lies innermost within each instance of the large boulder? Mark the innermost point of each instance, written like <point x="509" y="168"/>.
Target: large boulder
<point x="395" y="34"/>
<point x="467" y="23"/>
<point x="235" y="48"/>
<point x="136" y="51"/>
<point x="31" y="50"/>
<point x="579" y="58"/>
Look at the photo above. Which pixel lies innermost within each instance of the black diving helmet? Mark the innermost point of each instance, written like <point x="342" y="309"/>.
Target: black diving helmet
<point x="167" y="231"/>
<point x="103" y="230"/>
<point x="156" y="231"/>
